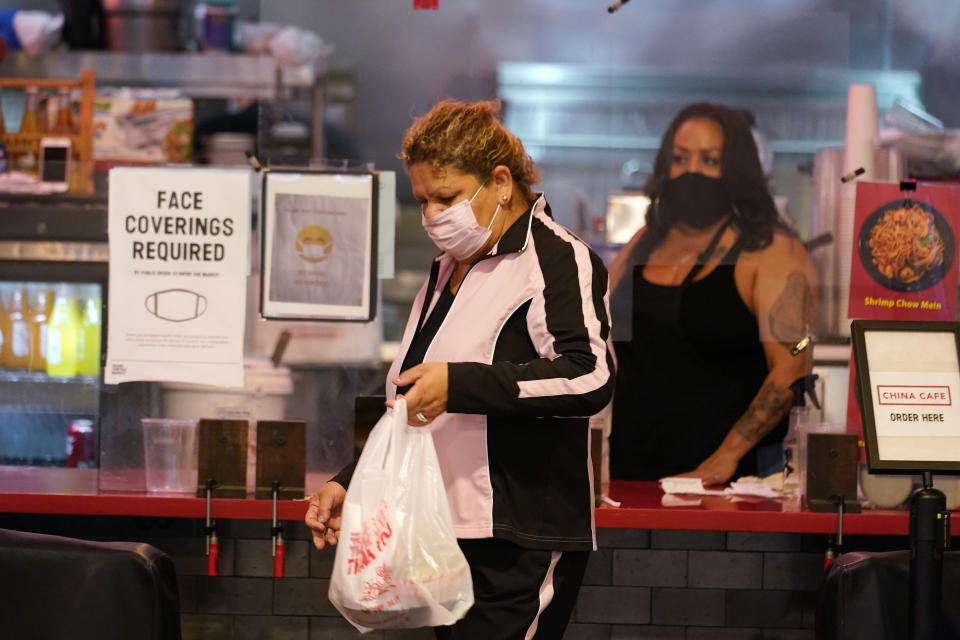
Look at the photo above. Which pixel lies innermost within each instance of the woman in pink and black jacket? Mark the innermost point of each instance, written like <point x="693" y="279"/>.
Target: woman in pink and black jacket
<point x="504" y="358"/>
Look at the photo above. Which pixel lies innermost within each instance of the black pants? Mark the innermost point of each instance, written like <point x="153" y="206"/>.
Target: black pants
<point x="519" y="594"/>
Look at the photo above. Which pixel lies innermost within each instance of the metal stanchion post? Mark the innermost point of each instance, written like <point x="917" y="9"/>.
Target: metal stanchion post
<point x="929" y="534"/>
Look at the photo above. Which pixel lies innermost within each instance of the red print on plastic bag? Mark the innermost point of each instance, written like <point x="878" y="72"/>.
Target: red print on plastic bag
<point x="374" y="589"/>
<point x="369" y="541"/>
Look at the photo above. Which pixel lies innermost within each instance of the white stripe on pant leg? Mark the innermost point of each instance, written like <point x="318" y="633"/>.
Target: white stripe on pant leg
<point x="546" y="594"/>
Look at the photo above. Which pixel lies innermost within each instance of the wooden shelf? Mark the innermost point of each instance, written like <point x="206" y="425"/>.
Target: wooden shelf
<point x="81" y="178"/>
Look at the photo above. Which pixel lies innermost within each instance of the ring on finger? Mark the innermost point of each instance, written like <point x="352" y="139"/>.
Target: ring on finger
<point x="421" y="417"/>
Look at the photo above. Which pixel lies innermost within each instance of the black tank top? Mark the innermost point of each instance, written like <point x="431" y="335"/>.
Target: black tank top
<point x="694" y="364"/>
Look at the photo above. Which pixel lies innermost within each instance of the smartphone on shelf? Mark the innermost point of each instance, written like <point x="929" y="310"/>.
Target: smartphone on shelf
<point x="55" y="163"/>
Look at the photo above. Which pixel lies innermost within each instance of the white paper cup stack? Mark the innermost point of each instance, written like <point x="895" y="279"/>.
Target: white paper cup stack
<point x="859" y="150"/>
<point x="860" y="138"/>
<point x="827" y="169"/>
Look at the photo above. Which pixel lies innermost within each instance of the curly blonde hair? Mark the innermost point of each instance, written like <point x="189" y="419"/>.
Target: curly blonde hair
<point x="469" y="137"/>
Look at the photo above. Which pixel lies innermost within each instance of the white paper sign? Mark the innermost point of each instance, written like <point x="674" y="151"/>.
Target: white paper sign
<point x="915" y="388"/>
<point x="178" y="263"/>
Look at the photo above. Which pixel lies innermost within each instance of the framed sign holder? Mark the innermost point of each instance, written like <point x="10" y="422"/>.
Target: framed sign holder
<point x="908" y="381"/>
<point x="318" y="245"/>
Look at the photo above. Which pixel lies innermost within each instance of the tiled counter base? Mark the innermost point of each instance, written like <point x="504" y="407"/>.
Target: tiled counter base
<point x="663" y="584"/>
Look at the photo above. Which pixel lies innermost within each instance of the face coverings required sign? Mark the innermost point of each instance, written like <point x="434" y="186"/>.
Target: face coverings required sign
<point x="179" y="245"/>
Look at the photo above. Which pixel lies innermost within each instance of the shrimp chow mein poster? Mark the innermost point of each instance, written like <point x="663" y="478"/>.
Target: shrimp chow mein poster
<point x="904" y="263"/>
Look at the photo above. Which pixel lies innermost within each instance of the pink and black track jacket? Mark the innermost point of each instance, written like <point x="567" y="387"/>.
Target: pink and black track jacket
<point x="526" y="343"/>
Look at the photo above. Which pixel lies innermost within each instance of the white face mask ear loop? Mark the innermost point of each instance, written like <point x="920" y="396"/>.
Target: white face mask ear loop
<point x="495" y="213"/>
<point x="478" y="191"/>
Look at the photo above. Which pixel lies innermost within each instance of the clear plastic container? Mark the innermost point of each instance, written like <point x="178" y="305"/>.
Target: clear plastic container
<point x="170" y="455"/>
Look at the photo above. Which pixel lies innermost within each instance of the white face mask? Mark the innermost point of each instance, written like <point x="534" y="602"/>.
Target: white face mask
<point x="456" y="230"/>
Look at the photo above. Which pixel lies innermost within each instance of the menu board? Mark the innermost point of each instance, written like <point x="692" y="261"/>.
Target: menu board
<point x="904" y="264"/>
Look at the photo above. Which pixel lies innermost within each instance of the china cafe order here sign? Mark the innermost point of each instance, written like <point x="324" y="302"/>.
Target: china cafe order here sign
<point x="915" y="382"/>
<point x="904" y="263"/>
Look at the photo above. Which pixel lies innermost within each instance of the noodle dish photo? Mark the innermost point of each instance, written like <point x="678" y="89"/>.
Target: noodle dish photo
<point x="906" y="245"/>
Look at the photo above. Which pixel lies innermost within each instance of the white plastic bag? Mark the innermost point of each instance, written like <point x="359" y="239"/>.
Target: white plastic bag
<point x="398" y="564"/>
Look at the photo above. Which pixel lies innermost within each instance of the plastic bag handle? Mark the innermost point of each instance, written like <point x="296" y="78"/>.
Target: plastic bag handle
<point x="398" y="424"/>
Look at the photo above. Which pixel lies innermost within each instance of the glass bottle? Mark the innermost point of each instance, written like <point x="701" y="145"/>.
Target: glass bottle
<point x="88" y="350"/>
<point x="62" y="330"/>
<point x="39" y="315"/>
<point x="16" y="349"/>
<point x="31" y="111"/>
<point x="63" y="124"/>
<point x="3" y="125"/>
<point x="30" y="124"/>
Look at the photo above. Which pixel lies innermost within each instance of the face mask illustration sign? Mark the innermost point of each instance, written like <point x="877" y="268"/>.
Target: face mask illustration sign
<point x="314" y="243"/>
<point x="176" y="305"/>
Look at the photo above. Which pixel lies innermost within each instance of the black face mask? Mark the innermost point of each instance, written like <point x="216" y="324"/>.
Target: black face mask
<point x="694" y="199"/>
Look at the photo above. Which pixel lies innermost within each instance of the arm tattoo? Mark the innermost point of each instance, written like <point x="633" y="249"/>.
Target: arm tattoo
<point x="792" y="313"/>
<point x="771" y="403"/>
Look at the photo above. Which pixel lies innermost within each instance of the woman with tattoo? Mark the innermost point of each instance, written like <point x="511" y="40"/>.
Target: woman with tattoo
<point x="709" y="299"/>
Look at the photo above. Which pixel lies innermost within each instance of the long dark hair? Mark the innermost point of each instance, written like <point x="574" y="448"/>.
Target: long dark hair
<point x="741" y="176"/>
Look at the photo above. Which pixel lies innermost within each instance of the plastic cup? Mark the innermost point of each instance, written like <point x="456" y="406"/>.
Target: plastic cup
<point x="170" y="455"/>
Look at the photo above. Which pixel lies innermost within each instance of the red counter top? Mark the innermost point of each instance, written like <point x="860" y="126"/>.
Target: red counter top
<point x="642" y="506"/>
<point x="74" y="491"/>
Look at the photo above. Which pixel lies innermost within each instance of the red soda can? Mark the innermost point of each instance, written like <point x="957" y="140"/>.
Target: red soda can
<point x="80" y="444"/>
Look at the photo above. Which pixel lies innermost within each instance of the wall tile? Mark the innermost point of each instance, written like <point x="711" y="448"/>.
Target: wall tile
<point x="251" y="529"/>
<point x="206" y="627"/>
<point x="187" y="589"/>
<point x="701" y="607"/>
<point x="707" y="633"/>
<point x="754" y="608"/>
<point x="688" y="540"/>
<point x="646" y="632"/>
<point x="336" y="628"/>
<point x="763" y="541"/>
<point x="725" y="570"/>
<point x="788" y="634"/>
<point x="809" y="609"/>
<point x="321" y="561"/>
<point x="617" y="605"/>
<point x="792" y="571"/>
<point x="296" y="530"/>
<point x="302" y="596"/>
<point x="271" y="628"/>
<point x="650" y="568"/>
<point x="190" y="557"/>
<point x="623" y="538"/>
<point x="254" y="558"/>
<point x="409" y="634"/>
<point x="599" y="568"/>
<point x="817" y="543"/>
<point x="579" y="631"/>
<point x="234" y="595"/>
